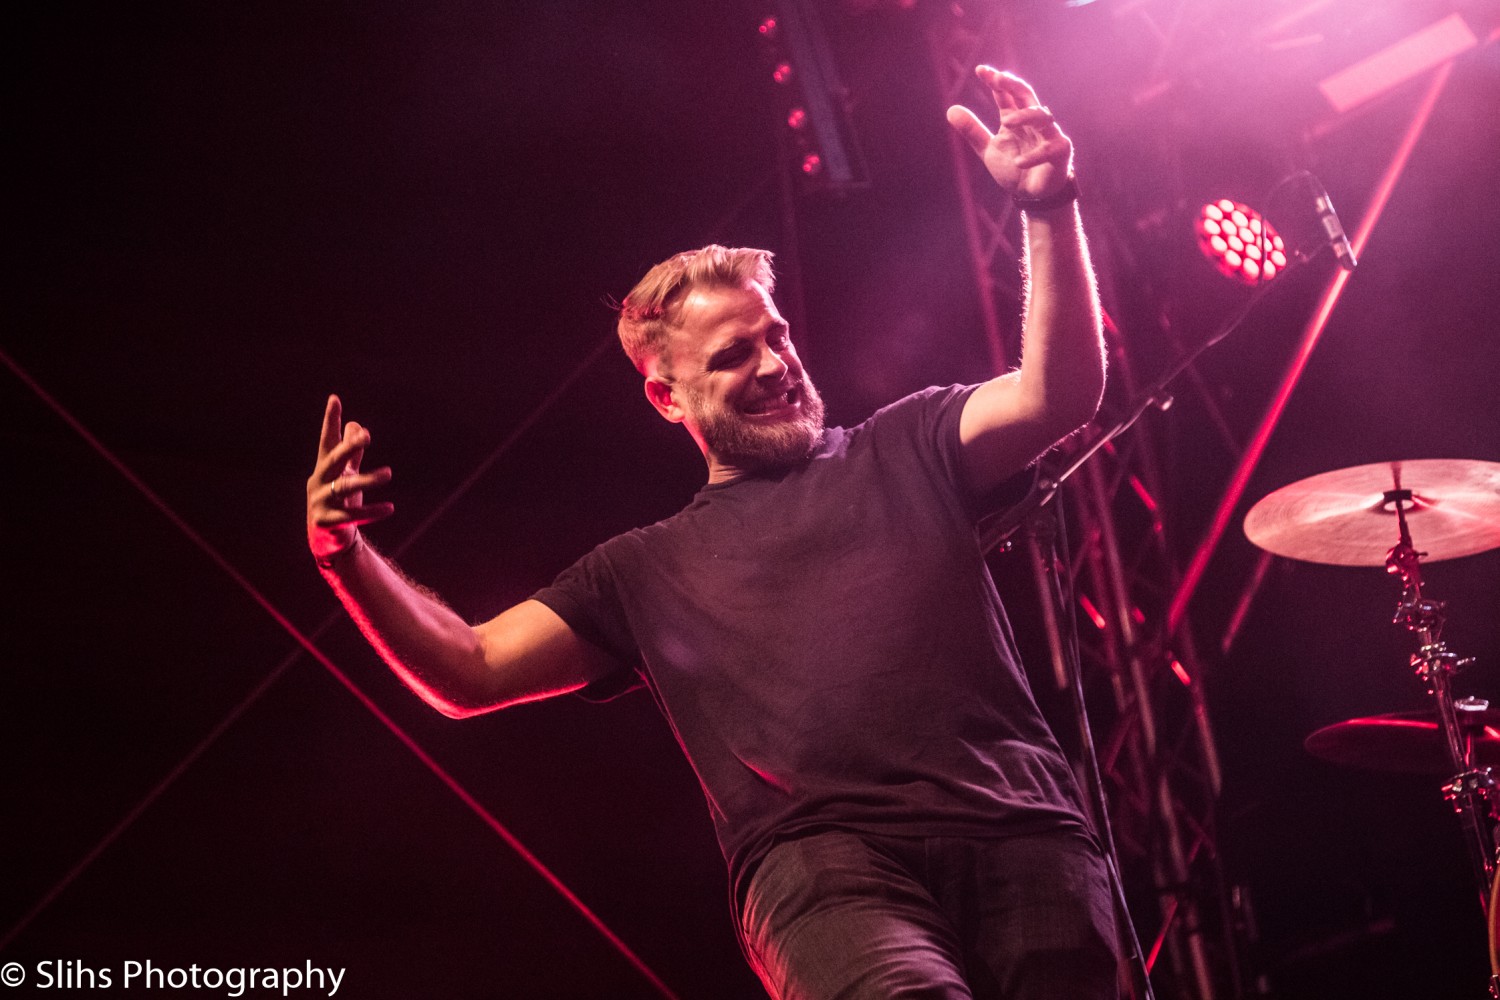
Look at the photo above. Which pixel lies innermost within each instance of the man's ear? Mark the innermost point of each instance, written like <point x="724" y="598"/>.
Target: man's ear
<point x="659" y="392"/>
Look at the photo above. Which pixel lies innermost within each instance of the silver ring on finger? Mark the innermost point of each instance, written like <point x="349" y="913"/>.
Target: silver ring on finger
<point x="338" y="494"/>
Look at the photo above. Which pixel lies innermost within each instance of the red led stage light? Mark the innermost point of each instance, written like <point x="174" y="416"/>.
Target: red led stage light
<point x="1240" y="242"/>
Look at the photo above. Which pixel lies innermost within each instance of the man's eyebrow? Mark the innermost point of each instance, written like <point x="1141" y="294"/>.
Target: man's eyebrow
<point x="723" y="353"/>
<point x="776" y="328"/>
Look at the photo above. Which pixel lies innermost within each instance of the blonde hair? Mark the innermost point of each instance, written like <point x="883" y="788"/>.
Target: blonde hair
<point x="649" y="312"/>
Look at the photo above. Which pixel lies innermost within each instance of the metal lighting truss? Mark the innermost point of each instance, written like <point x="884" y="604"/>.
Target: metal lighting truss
<point x="1157" y="754"/>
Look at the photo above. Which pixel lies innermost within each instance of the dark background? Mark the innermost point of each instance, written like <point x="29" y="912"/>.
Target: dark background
<point x="220" y="213"/>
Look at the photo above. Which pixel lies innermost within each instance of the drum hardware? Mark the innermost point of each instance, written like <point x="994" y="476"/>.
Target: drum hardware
<point x="1343" y="518"/>
<point x="1480" y="783"/>
<point x="1409" y="742"/>
<point x="1435" y="664"/>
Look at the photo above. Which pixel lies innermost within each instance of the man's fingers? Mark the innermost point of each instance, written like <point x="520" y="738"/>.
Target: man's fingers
<point x="1036" y="118"/>
<point x="1020" y="112"/>
<point x="1052" y="151"/>
<point x="359" y="438"/>
<point x="335" y="491"/>
<point x="335" y="461"/>
<point x="333" y="414"/>
<point x="350" y="483"/>
<point x="1010" y="90"/>
<point x="968" y="125"/>
<point x="354" y="517"/>
<point x="377" y="477"/>
<point x="372" y="513"/>
<point x="346" y="492"/>
<point x="999" y="87"/>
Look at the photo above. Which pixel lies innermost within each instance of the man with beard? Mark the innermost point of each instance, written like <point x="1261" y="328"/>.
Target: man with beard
<point x="819" y="626"/>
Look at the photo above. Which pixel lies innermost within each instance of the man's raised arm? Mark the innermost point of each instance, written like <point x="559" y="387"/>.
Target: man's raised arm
<point x="1011" y="420"/>
<point x="525" y="653"/>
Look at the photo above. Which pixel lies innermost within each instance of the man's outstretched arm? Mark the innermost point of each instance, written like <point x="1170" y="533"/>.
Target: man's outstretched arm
<point x="1012" y="419"/>
<point x="525" y="653"/>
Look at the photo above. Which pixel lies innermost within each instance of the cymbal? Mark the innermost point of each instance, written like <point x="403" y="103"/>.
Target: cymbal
<point x="1409" y="742"/>
<point x="1348" y="517"/>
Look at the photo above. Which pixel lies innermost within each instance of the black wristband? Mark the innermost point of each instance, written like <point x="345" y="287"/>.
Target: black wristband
<point x="1065" y="195"/>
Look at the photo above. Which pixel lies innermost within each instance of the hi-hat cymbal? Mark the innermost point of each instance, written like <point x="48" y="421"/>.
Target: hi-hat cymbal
<point x="1348" y="517"/>
<point x="1410" y="742"/>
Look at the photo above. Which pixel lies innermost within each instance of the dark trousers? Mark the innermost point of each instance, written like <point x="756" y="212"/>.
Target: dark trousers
<point x="856" y="917"/>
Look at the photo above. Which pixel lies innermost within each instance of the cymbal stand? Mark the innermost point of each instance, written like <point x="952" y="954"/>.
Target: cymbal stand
<point x="1472" y="790"/>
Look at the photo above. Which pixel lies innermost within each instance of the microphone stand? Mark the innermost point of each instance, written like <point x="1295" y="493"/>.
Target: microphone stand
<point x="1028" y="512"/>
<point x="998" y="529"/>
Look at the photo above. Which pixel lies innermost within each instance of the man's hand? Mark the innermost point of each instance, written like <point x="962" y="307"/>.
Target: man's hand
<point x="335" y="490"/>
<point x="1027" y="154"/>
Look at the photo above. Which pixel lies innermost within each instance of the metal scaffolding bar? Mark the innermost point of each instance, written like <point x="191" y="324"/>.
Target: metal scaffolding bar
<point x="1158" y="754"/>
<point x="1241" y="478"/>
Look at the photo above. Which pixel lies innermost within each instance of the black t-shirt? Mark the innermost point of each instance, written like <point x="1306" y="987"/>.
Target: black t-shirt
<point x="828" y="646"/>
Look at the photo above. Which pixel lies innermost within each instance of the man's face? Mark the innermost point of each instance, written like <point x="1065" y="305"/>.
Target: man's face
<point x="739" y="382"/>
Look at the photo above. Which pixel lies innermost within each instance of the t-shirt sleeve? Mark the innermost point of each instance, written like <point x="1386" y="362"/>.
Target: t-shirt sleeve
<point x="930" y="421"/>
<point x="586" y="597"/>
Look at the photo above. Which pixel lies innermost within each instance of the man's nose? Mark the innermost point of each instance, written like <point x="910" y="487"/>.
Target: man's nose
<point x="772" y="364"/>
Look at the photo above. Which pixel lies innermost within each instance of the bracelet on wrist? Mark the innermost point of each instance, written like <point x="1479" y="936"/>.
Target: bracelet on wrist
<point x="1065" y="195"/>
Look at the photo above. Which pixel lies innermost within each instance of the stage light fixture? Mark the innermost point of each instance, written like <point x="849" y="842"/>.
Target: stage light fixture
<point x="818" y="140"/>
<point x="1240" y="242"/>
<point x="1399" y="62"/>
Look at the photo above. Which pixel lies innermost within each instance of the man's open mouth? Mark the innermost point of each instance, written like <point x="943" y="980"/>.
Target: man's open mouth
<point x="787" y="399"/>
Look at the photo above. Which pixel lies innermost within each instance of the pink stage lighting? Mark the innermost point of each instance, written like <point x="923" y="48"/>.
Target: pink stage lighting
<point x="1397" y="63"/>
<point x="1240" y="242"/>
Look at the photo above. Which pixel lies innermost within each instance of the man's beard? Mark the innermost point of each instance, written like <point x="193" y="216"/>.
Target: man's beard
<point x="761" y="447"/>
